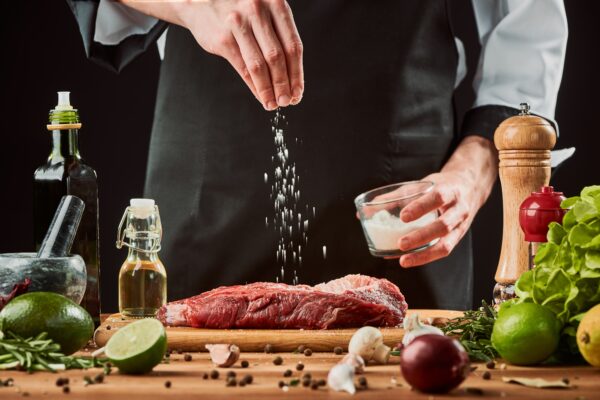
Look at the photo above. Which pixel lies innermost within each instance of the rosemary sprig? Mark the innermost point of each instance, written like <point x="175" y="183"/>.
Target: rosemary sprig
<point x="39" y="354"/>
<point x="474" y="331"/>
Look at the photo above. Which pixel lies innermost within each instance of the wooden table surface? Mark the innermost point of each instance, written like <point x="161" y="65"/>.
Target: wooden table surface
<point x="385" y="382"/>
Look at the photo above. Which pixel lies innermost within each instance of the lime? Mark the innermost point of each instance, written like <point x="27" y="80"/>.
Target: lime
<point x="588" y="336"/>
<point x="525" y="333"/>
<point x="138" y="347"/>
<point x="66" y="322"/>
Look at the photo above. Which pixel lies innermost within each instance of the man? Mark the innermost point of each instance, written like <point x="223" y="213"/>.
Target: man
<point x="376" y="109"/>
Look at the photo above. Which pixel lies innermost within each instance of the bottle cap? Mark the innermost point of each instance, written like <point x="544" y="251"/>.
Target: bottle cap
<point x="538" y="210"/>
<point x="63" y="102"/>
<point x="141" y="208"/>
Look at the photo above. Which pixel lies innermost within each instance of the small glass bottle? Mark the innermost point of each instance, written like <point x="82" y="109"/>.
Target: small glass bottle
<point x="142" y="278"/>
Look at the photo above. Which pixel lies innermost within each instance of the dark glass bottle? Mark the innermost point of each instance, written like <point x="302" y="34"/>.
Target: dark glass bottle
<point x="64" y="173"/>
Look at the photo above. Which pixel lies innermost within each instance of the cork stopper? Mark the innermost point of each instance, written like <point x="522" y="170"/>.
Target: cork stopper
<point x="525" y="132"/>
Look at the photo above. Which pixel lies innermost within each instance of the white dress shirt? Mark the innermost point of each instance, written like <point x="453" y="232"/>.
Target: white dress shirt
<point x="523" y="46"/>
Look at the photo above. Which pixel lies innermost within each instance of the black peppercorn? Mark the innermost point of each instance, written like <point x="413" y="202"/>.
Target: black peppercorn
<point x="187" y="357"/>
<point x="214" y="374"/>
<point x="308" y="352"/>
<point x="242" y="383"/>
<point x="287" y="373"/>
<point x="268" y="348"/>
<point x="306" y="382"/>
<point x="362" y="381"/>
<point x="99" y="378"/>
<point x="205" y="375"/>
<point x="278" y="360"/>
<point x="248" y="379"/>
<point x="338" y="350"/>
<point x="167" y="384"/>
<point x="231" y="374"/>
<point x="301" y="348"/>
<point x="231" y="382"/>
<point x="66" y="389"/>
<point x="322" y="382"/>
<point x="307" y="376"/>
<point x="299" y="366"/>
<point x="490" y="365"/>
<point x="486" y="375"/>
<point x="245" y="364"/>
<point x="281" y="384"/>
<point x="314" y="385"/>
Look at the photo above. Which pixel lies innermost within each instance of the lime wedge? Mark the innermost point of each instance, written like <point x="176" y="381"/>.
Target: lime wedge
<point x="137" y="347"/>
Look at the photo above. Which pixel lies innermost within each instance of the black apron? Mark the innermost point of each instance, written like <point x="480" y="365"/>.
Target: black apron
<point x="377" y="109"/>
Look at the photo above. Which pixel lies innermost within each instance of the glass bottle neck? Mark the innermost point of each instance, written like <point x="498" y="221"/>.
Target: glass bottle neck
<point x="142" y="249"/>
<point x="65" y="144"/>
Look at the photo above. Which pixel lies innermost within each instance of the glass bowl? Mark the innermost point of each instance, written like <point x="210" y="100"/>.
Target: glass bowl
<point x="379" y="212"/>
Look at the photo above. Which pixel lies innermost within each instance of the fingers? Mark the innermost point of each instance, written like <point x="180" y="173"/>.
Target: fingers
<point x="441" y="227"/>
<point x="273" y="54"/>
<point x="232" y="54"/>
<point x="283" y="22"/>
<point x="254" y="60"/>
<point x="441" y="196"/>
<point x="439" y="250"/>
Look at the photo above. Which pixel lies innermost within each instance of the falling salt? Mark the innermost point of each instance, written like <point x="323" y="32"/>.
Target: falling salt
<point x="288" y="222"/>
<point x="324" y="252"/>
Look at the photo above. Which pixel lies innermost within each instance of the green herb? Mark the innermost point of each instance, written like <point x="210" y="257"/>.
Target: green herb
<point x="474" y="331"/>
<point x="39" y="354"/>
<point x="566" y="278"/>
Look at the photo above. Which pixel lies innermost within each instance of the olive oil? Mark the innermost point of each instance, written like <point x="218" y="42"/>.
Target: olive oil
<point x="142" y="288"/>
<point x="66" y="173"/>
<point x="142" y="278"/>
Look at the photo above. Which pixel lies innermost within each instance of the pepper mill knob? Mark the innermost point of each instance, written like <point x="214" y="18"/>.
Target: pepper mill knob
<point x="524" y="143"/>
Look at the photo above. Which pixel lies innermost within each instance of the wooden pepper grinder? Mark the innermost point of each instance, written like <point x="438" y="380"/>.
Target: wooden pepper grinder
<point x="524" y="143"/>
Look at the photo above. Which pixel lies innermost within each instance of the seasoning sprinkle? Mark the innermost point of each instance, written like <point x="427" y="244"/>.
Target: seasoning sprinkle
<point x="214" y="374"/>
<point x="299" y="366"/>
<point x="245" y="364"/>
<point x="308" y="352"/>
<point x="278" y="360"/>
<point x="287" y="373"/>
<point x="338" y="350"/>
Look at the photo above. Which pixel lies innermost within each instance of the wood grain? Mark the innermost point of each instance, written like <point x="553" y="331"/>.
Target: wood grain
<point x="192" y="339"/>
<point x="524" y="143"/>
<point x="385" y="382"/>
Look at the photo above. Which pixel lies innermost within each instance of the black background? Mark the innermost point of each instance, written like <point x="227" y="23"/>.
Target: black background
<point x="42" y="52"/>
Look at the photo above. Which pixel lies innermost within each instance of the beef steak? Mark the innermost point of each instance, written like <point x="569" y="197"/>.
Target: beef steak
<point x="351" y="301"/>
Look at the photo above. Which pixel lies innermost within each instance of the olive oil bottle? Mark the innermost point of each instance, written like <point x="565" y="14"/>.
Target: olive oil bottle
<point x="66" y="173"/>
<point x="142" y="278"/>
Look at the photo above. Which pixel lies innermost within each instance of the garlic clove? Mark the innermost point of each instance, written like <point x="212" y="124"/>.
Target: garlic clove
<point x="223" y="355"/>
<point x="341" y="378"/>
<point x="354" y="360"/>
<point x="414" y="328"/>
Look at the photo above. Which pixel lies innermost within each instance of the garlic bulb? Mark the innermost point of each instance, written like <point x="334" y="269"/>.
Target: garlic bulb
<point x="341" y="377"/>
<point x="354" y="360"/>
<point x="413" y="328"/>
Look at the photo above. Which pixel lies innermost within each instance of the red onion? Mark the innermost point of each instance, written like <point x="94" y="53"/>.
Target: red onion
<point x="434" y="363"/>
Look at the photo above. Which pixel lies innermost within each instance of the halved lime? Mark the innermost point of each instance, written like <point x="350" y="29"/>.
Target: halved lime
<point x="137" y="347"/>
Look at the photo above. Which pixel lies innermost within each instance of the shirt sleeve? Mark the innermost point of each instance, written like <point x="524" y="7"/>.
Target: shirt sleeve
<point x="115" y="22"/>
<point x="523" y="47"/>
<point x="113" y="37"/>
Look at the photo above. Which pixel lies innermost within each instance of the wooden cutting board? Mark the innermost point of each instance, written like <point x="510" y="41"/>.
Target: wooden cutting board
<point x="193" y="339"/>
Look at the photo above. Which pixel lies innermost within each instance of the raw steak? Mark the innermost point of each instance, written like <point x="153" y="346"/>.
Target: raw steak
<point x="351" y="301"/>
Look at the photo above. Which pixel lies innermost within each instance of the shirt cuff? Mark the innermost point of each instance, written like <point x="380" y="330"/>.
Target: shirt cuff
<point x="115" y="22"/>
<point x="483" y="120"/>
